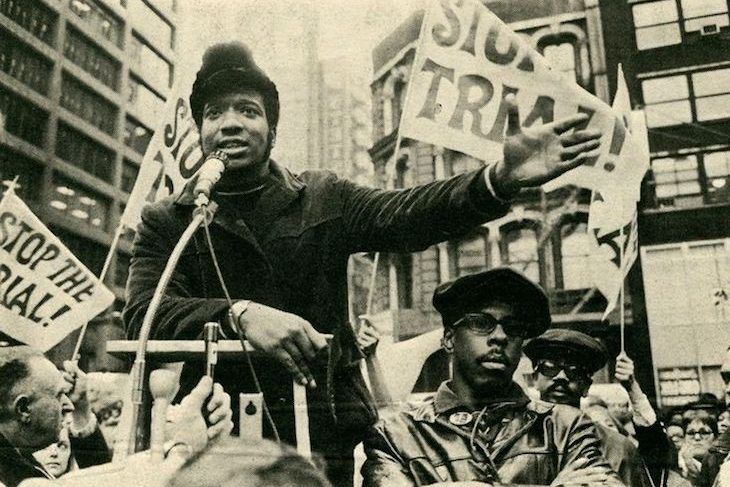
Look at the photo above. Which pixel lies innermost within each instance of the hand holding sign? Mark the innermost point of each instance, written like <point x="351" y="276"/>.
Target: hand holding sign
<point x="538" y="154"/>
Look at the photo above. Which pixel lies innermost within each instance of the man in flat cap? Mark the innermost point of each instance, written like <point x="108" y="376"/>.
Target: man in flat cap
<point x="480" y="426"/>
<point x="284" y="240"/>
<point x="564" y="362"/>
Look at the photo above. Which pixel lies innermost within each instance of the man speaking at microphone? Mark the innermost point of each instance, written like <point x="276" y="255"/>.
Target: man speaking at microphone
<point x="283" y="241"/>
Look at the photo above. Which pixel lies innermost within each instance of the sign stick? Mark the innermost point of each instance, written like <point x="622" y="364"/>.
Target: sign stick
<point x="622" y="317"/>
<point x="107" y="263"/>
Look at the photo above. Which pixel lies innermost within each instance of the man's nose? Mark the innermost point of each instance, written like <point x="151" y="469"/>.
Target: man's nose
<point x="561" y="375"/>
<point x="231" y="121"/>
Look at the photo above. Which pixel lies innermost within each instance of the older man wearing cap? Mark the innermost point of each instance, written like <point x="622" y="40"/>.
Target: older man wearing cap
<point x="564" y="362"/>
<point x="284" y="239"/>
<point x="480" y="426"/>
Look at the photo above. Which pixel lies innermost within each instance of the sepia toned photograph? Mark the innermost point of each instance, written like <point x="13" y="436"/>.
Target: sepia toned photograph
<point x="364" y="243"/>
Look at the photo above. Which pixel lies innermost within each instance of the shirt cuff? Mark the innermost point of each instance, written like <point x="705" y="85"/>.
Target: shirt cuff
<point x="489" y="182"/>
<point x="644" y="414"/>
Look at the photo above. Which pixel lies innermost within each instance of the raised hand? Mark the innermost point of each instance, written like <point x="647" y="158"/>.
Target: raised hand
<point x="536" y="155"/>
<point x="624" y="369"/>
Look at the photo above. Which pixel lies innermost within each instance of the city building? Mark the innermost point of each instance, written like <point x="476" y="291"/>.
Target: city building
<point x="81" y="84"/>
<point x="677" y="64"/>
<point x="544" y="235"/>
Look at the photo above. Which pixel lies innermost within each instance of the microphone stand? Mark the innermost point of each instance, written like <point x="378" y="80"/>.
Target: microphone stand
<point x="203" y="212"/>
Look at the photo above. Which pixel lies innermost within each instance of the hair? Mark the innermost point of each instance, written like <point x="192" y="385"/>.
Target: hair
<point x="14" y="369"/>
<point x="259" y="463"/>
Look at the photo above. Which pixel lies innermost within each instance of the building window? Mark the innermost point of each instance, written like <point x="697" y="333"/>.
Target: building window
<point x="83" y="102"/>
<point x="679" y="386"/>
<point x="150" y="64"/>
<point x="717" y="174"/>
<point x="574" y="253"/>
<point x="471" y="255"/>
<point x="23" y="119"/>
<point x="32" y="16"/>
<point x="24" y="64"/>
<point x="91" y="58"/>
<point x="667" y="101"/>
<point x="676" y="181"/>
<point x="81" y="151"/>
<point x="656" y="24"/>
<point x="91" y="254"/>
<point x="520" y="251"/>
<point x="562" y="59"/>
<point x="705" y="16"/>
<point x="712" y="94"/>
<point x="150" y="24"/>
<point x="136" y="135"/>
<point x="28" y="172"/>
<point x="99" y="20"/>
<point x="130" y="171"/>
<point x="144" y="101"/>
<point x="78" y="203"/>
<point x="666" y="22"/>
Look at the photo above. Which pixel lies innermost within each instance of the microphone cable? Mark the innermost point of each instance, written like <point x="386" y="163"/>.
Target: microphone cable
<point x="252" y="369"/>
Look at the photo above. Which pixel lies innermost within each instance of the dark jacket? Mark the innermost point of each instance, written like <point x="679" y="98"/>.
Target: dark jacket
<point x="290" y="252"/>
<point x="534" y="442"/>
<point x="714" y="459"/>
<point x="17" y="465"/>
<point x="622" y="456"/>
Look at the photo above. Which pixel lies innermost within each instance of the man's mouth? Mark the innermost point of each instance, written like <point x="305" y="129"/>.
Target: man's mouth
<point x="233" y="148"/>
<point x="494" y="361"/>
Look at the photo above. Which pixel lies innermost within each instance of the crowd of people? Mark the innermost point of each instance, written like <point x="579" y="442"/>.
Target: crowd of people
<point x="284" y="241"/>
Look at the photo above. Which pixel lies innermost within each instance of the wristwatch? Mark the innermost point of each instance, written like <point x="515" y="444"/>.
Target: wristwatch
<point x="238" y="309"/>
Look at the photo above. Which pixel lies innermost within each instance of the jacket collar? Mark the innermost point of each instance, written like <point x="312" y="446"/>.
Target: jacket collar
<point x="14" y="458"/>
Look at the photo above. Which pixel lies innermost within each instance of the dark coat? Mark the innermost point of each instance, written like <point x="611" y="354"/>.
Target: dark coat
<point x="295" y="259"/>
<point x="622" y="456"/>
<point x="16" y="466"/>
<point x="534" y="442"/>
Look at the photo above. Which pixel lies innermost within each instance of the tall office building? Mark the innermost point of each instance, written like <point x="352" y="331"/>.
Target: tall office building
<point x="81" y="84"/>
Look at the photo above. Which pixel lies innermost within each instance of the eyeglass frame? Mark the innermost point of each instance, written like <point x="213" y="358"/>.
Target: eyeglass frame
<point x="509" y="325"/>
<point x="576" y="372"/>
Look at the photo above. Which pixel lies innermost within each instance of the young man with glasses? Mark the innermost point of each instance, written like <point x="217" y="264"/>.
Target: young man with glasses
<point x="480" y="427"/>
<point x="564" y="362"/>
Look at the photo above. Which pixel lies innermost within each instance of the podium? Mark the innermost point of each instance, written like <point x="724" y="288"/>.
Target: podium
<point x="171" y="353"/>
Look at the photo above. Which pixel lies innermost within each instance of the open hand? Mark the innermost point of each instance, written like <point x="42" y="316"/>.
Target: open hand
<point x="536" y="155"/>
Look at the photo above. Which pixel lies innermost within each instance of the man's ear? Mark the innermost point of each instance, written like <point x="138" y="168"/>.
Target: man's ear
<point x="21" y="406"/>
<point x="447" y="342"/>
<point x="272" y="138"/>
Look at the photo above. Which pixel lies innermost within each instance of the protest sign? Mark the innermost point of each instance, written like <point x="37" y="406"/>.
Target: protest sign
<point x="172" y="156"/>
<point x="467" y="62"/>
<point x="45" y="291"/>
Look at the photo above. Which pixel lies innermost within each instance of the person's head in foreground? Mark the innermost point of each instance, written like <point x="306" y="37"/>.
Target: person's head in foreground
<point x="236" y="108"/>
<point x="249" y="463"/>
<point x="564" y="362"/>
<point x="699" y="434"/>
<point x="486" y="317"/>
<point x="56" y="457"/>
<point x="33" y="400"/>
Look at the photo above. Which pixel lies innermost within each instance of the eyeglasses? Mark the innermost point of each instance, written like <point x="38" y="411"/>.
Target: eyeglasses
<point x="704" y="433"/>
<point x="484" y="323"/>
<point x="550" y="369"/>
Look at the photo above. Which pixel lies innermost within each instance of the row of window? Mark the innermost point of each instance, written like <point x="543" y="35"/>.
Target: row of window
<point x="684" y="98"/>
<point x="691" y="180"/>
<point x="150" y="24"/>
<point x="145" y="102"/>
<point x="32" y="16"/>
<point x="152" y="65"/>
<point x="660" y="23"/>
<point x="91" y="58"/>
<point x="83" y="152"/>
<point x="24" y="64"/>
<point x="99" y="20"/>
<point x="88" y="105"/>
<point x="22" y="118"/>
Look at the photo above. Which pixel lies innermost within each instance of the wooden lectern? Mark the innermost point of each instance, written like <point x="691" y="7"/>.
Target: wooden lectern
<point x="167" y="353"/>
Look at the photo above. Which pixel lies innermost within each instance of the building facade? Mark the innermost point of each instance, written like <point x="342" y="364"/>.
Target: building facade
<point x="81" y="85"/>
<point x="677" y="65"/>
<point x="543" y="235"/>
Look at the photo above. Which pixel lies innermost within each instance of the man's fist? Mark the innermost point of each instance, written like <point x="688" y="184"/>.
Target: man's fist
<point x="535" y="155"/>
<point x="624" y="369"/>
<point x="287" y="337"/>
<point x="367" y="336"/>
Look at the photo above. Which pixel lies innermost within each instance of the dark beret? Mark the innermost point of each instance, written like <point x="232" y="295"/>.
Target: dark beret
<point x="575" y="345"/>
<point x="475" y="291"/>
<point x="229" y="66"/>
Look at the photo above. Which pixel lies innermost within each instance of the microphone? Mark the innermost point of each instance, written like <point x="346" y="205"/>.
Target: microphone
<point x="208" y="175"/>
<point x="210" y="335"/>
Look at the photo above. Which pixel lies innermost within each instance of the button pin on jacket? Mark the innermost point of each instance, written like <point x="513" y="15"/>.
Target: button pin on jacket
<point x="461" y="418"/>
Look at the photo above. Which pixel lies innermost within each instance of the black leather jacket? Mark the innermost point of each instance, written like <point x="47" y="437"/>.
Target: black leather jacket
<point x="535" y="441"/>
